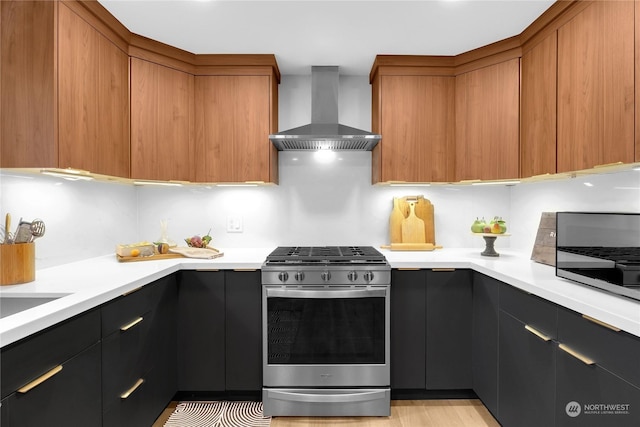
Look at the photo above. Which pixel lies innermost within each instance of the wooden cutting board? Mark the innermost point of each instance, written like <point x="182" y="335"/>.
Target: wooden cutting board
<point x="423" y="210"/>
<point x="412" y="226"/>
<point x="395" y="221"/>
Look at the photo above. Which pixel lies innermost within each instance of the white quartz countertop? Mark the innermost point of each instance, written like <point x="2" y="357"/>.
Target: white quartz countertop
<point x="86" y="284"/>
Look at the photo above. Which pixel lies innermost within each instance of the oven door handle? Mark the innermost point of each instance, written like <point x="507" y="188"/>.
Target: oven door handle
<point x="334" y="293"/>
<point x="295" y="396"/>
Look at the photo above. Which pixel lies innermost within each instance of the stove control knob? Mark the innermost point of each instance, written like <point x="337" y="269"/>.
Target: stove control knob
<point x="352" y="276"/>
<point x="299" y="276"/>
<point x="368" y="276"/>
<point x="283" y="276"/>
<point x="325" y="275"/>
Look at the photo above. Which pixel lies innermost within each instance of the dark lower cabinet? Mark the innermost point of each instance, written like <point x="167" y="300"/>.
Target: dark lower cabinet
<point x="139" y="374"/>
<point x="201" y="322"/>
<point x="598" y="374"/>
<point x="70" y="397"/>
<point x="526" y="378"/>
<point x="484" y="340"/>
<point x="431" y="329"/>
<point x="220" y="323"/>
<point x="527" y="356"/>
<point x="243" y="331"/>
<point x="408" y="329"/>
<point x="449" y="325"/>
<point x="66" y="357"/>
<point x="591" y="396"/>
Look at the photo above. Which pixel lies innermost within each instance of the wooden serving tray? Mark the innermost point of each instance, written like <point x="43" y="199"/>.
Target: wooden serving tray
<point x="154" y="257"/>
<point x="411" y="247"/>
<point x="179" y="252"/>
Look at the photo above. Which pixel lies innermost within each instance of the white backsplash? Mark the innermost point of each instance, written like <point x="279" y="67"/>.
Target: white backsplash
<point x="315" y="204"/>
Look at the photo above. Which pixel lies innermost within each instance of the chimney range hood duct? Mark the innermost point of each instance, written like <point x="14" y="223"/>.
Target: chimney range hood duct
<point x="324" y="132"/>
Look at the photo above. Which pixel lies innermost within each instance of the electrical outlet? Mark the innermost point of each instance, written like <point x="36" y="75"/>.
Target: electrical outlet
<point x="234" y="224"/>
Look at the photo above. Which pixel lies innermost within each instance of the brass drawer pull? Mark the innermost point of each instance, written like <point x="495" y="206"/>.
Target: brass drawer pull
<point x="443" y="269"/>
<point x="131" y="324"/>
<point x="601" y="323"/>
<point x="245" y="269"/>
<point x="131" y="291"/>
<point x="208" y="269"/>
<point x="35" y="383"/>
<point x="578" y="356"/>
<point x="132" y="389"/>
<point x="537" y="333"/>
<point x="408" y="269"/>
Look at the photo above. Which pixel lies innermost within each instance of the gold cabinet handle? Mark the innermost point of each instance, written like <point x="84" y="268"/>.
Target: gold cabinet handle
<point x="577" y="355"/>
<point x="131" y="324"/>
<point x="131" y="291"/>
<point x="443" y="269"/>
<point x="601" y="323"/>
<point x="245" y="269"/>
<point x="408" y="269"/>
<point x="35" y="383"/>
<point x="132" y="389"/>
<point x="537" y="333"/>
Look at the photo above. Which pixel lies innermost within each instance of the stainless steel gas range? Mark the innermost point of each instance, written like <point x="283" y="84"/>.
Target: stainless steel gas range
<point x="325" y="331"/>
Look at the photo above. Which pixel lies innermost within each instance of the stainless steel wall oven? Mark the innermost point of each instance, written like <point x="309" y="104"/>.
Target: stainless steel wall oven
<point x="326" y="332"/>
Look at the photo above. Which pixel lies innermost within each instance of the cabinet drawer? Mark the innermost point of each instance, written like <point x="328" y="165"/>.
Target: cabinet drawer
<point x="618" y="352"/>
<point x="126" y="309"/>
<point x="69" y="397"/>
<point x="591" y="396"/>
<point x="535" y="312"/>
<point x="35" y="355"/>
<point x="125" y="359"/>
<point x="136" y="408"/>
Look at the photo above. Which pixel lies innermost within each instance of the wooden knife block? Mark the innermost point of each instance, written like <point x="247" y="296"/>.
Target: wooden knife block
<point x="17" y="263"/>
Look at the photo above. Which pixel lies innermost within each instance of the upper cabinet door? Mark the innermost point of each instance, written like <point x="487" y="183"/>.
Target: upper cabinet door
<point x="27" y="123"/>
<point x="233" y="123"/>
<point x="93" y="99"/>
<point x="161" y="122"/>
<point x="487" y="122"/>
<point x="416" y="120"/>
<point x="538" y="108"/>
<point x="596" y="87"/>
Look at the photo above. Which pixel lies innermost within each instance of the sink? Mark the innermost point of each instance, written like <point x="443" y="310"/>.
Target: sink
<point x="15" y="304"/>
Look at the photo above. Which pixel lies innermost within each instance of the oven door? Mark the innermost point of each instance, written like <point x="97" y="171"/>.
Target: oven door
<point x="326" y="336"/>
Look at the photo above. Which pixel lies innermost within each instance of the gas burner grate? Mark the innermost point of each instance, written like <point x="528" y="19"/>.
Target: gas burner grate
<point x="337" y="255"/>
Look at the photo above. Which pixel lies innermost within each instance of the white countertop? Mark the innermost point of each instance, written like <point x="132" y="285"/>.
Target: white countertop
<point x="87" y="284"/>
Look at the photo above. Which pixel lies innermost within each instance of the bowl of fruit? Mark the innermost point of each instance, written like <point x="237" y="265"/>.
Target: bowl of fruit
<point x="496" y="226"/>
<point x="196" y="241"/>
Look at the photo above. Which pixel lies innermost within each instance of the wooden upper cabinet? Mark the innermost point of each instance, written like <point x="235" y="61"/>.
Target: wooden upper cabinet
<point x="637" y="77"/>
<point x="162" y="103"/>
<point x="28" y="125"/>
<point x="65" y="96"/>
<point x="234" y="117"/>
<point x="487" y="122"/>
<point x="415" y="116"/>
<point x="538" y="108"/>
<point x="93" y="98"/>
<point x="596" y="87"/>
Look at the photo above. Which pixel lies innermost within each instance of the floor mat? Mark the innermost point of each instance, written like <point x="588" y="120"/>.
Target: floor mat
<point x="218" y="414"/>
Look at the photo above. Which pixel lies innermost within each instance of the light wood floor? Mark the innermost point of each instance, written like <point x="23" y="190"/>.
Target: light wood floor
<point x="404" y="413"/>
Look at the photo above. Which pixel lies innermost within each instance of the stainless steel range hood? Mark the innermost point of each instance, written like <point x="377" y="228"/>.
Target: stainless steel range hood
<point x="324" y="132"/>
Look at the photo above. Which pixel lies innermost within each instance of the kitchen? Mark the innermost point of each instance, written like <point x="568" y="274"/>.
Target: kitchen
<point x="90" y="217"/>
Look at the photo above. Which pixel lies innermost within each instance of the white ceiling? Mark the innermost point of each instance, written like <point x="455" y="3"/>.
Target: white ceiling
<point x="302" y="33"/>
